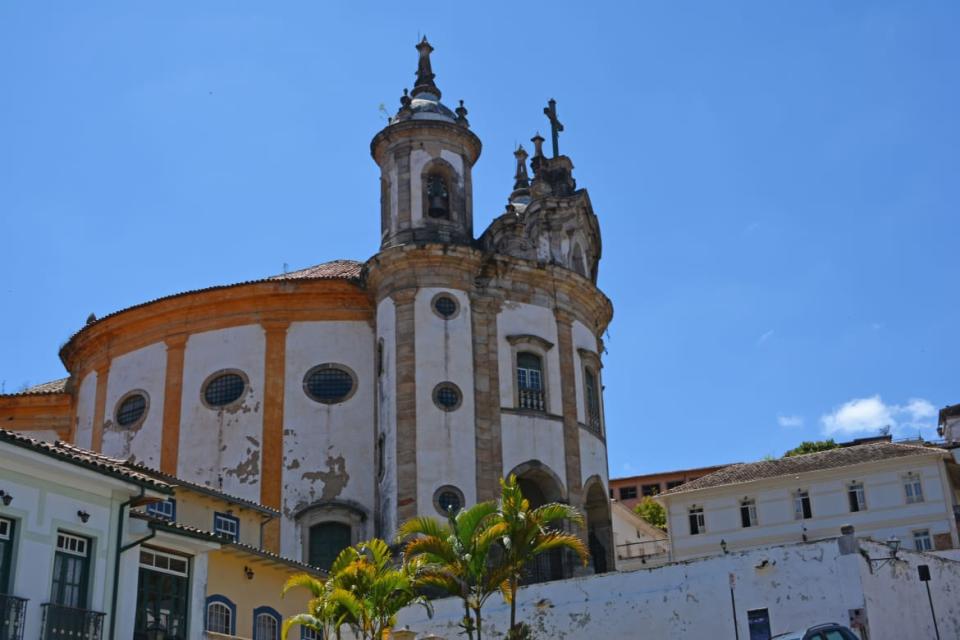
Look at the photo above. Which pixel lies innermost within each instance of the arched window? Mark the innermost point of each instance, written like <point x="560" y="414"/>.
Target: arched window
<point x="327" y="540"/>
<point x="578" y="264"/>
<point x="593" y="399"/>
<point x="221" y="615"/>
<point x="438" y="196"/>
<point x="266" y="624"/>
<point x="530" y="381"/>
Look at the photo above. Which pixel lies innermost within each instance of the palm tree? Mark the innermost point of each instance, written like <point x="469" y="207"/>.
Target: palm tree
<point x="457" y="558"/>
<point x="526" y="533"/>
<point x="365" y="590"/>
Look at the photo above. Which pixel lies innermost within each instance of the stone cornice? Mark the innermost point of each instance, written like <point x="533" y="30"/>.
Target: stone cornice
<point x="411" y="129"/>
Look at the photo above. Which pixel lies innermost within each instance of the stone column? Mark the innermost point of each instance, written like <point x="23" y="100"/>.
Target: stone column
<point x="406" y="363"/>
<point x="271" y="444"/>
<point x="486" y="395"/>
<point x="568" y="392"/>
<point x="100" y="406"/>
<point x="172" y="401"/>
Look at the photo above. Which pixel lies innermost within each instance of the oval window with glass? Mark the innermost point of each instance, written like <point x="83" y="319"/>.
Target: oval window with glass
<point x="131" y="409"/>
<point x="330" y="383"/>
<point x="447" y="396"/>
<point x="445" y="306"/>
<point x="224" y="388"/>
<point x="448" y="500"/>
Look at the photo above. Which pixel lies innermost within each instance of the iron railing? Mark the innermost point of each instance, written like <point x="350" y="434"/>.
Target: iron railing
<point x="648" y="552"/>
<point x="67" y="622"/>
<point x="532" y="399"/>
<point x="13" y="610"/>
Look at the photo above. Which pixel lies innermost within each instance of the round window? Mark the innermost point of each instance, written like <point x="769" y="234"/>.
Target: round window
<point x="445" y="306"/>
<point x="131" y="409"/>
<point x="329" y="383"/>
<point x="446" y="395"/>
<point x="224" y="389"/>
<point x="448" y="500"/>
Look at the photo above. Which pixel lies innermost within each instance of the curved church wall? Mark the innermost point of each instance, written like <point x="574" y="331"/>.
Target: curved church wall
<point x="446" y="440"/>
<point x="328" y="449"/>
<point x="140" y="370"/>
<point x="221" y="447"/>
<point x="530" y="437"/>
<point x="86" y="401"/>
<point x="519" y="318"/>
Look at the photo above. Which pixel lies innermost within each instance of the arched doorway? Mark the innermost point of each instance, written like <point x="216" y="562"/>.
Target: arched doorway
<point x="599" y="527"/>
<point x="540" y="485"/>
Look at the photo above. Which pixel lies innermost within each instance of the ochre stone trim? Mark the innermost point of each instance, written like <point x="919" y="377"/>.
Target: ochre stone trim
<point x="401" y="158"/>
<point x="172" y="403"/>
<point x="301" y="301"/>
<point x="527" y="338"/>
<point x="55" y="411"/>
<point x="406" y="359"/>
<point x="100" y="407"/>
<point x="271" y="449"/>
<point x="568" y="397"/>
<point x="486" y="396"/>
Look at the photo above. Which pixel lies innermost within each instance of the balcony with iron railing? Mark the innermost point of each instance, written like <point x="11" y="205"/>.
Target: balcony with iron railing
<point x="646" y="553"/>
<point x="70" y="623"/>
<point x="13" y="610"/>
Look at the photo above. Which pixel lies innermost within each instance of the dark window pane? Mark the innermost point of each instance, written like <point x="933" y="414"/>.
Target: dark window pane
<point x="131" y="410"/>
<point x="445" y="306"/>
<point x="329" y="385"/>
<point x="224" y="389"/>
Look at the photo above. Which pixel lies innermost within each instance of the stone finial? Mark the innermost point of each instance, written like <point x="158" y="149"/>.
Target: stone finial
<point x="521" y="179"/>
<point x="425" y="74"/>
<point x="537" y="141"/>
<point x="405" y="100"/>
<point x="462" y="115"/>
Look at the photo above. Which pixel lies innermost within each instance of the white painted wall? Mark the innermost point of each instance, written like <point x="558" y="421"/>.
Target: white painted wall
<point x="637" y="545"/>
<point x="86" y="401"/>
<point x="593" y="458"/>
<point x="216" y="442"/>
<point x="418" y="160"/>
<point x="446" y="440"/>
<point x="887" y="512"/>
<point x="529" y="437"/>
<point x="143" y="369"/>
<point x="328" y="448"/>
<point x="387" y="416"/>
<point x="518" y="318"/>
<point x="800" y="585"/>
<point x="583" y="338"/>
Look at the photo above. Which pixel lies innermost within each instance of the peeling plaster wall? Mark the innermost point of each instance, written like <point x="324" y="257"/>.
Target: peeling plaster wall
<point x="86" y="401"/>
<point x="897" y="602"/>
<point x="387" y="417"/>
<point x="446" y="440"/>
<point x="328" y="448"/>
<point x="799" y="585"/>
<point x="518" y="318"/>
<point x="887" y="512"/>
<point x="528" y="437"/>
<point x="143" y="369"/>
<point x="593" y="458"/>
<point x="226" y="442"/>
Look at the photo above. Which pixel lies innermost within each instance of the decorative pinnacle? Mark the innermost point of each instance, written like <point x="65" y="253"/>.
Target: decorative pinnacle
<point x="461" y="112"/>
<point x="537" y="141"/>
<point x="425" y="74"/>
<point x="521" y="179"/>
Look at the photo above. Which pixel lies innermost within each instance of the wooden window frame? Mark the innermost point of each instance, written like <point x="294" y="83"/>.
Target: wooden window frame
<point x="540" y="347"/>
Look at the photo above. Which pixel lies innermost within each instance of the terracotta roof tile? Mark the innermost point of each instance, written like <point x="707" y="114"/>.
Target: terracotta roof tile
<point x="83" y="458"/>
<point x="46" y="388"/>
<point x="832" y="459"/>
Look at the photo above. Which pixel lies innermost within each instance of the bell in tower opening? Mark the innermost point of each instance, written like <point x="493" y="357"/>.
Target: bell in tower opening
<point x="438" y="197"/>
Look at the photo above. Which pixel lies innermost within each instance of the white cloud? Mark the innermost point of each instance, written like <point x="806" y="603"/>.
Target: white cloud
<point x="790" y="422"/>
<point x="867" y="416"/>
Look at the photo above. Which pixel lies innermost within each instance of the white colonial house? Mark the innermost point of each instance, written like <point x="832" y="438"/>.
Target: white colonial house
<point x="885" y="490"/>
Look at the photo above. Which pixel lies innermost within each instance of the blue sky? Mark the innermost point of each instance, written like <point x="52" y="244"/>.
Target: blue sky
<point x="777" y="184"/>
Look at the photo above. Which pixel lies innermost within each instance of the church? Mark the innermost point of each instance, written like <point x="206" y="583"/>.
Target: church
<point x="351" y="396"/>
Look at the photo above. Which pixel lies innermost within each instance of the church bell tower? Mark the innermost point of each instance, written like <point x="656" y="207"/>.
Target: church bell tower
<point x="426" y="154"/>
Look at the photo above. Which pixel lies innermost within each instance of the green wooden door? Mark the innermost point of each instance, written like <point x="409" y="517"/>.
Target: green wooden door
<point x="327" y="540"/>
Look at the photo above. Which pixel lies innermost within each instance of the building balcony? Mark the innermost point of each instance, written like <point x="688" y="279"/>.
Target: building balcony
<point x="13" y="610"/>
<point x="70" y="623"/>
<point x="532" y="399"/>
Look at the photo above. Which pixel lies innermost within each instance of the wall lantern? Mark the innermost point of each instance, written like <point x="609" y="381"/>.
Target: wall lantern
<point x="247" y="571"/>
<point x="6" y="497"/>
<point x="83" y="515"/>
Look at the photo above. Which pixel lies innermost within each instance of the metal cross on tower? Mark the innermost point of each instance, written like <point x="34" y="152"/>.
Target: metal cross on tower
<point x="555" y="127"/>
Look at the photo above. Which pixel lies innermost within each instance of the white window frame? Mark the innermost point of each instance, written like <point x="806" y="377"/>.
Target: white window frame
<point x="798" y="498"/>
<point x="913" y="488"/>
<point x="73" y="545"/>
<point x="922" y="540"/>
<point x="232" y="531"/>
<point x="163" y="509"/>
<point x="861" y="493"/>
<point x="159" y="561"/>
<point x="750" y="504"/>
<point x="701" y="520"/>
<point x="259" y="632"/>
<point x="225" y="615"/>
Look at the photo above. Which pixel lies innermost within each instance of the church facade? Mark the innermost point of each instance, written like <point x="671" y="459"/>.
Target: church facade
<point x="353" y="395"/>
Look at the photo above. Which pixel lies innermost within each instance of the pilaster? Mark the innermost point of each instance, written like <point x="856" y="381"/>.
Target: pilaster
<point x="406" y="359"/>
<point x="486" y="398"/>
<point x="172" y="402"/>
<point x="568" y="393"/>
<point x="271" y="447"/>
<point x="100" y="405"/>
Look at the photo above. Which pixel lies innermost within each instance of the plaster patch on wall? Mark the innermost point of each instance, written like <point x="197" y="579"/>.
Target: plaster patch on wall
<point x="334" y="479"/>
<point x="248" y="471"/>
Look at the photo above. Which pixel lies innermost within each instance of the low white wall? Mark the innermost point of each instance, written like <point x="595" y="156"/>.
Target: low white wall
<point x="800" y="585"/>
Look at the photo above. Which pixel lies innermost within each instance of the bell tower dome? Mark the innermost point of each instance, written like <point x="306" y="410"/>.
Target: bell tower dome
<point x="426" y="154"/>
